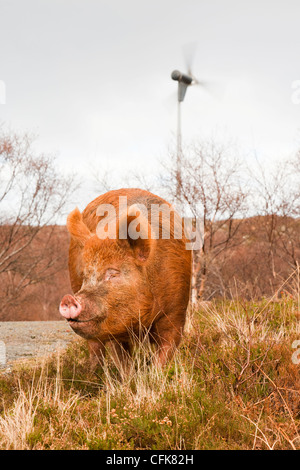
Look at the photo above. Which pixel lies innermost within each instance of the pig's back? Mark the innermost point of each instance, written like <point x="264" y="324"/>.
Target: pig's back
<point x="169" y="269"/>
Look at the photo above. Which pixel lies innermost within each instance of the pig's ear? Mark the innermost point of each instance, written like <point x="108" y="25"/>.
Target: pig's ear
<point x="135" y="227"/>
<point x="77" y="228"/>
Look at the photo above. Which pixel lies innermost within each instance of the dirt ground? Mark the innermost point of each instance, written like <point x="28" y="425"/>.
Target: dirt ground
<point x="32" y="339"/>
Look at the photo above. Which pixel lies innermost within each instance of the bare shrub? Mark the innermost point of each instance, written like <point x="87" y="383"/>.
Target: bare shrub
<point x="33" y="195"/>
<point x="210" y="181"/>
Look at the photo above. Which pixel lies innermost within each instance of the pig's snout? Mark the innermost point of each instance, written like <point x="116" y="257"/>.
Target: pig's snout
<point x="69" y="307"/>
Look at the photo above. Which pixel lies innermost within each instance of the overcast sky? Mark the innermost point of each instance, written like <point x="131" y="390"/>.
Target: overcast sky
<point x="92" y="77"/>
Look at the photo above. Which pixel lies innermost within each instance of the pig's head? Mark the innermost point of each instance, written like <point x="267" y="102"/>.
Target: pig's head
<point x="115" y="288"/>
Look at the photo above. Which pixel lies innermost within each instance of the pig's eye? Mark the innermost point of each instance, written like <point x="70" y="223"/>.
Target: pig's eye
<point x="111" y="274"/>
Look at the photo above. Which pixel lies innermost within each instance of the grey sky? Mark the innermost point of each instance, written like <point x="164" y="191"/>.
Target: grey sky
<point x="92" y="78"/>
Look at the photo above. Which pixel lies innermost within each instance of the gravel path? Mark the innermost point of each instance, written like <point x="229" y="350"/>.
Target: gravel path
<point x="29" y="339"/>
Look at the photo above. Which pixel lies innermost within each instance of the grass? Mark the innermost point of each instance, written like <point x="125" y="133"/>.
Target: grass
<point x="232" y="385"/>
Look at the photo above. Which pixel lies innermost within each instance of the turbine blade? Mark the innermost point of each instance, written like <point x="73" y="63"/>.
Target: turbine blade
<point x="189" y="51"/>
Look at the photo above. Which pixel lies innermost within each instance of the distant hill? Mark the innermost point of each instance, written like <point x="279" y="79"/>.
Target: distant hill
<point x="48" y="283"/>
<point x="258" y="259"/>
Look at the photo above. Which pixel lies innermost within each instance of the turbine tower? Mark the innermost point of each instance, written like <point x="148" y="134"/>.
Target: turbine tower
<point x="184" y="81"/>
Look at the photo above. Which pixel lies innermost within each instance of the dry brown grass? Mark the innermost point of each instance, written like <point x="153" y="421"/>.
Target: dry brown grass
<point x="232" y="385"/>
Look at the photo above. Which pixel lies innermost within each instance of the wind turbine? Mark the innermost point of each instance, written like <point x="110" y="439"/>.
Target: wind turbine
<point x="184" y="81"/>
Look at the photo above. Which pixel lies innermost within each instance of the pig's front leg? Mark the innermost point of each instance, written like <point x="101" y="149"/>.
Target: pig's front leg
<point x="96" y="353"/>
<point x="121" y="356"/>
<point x="166" y="334"/>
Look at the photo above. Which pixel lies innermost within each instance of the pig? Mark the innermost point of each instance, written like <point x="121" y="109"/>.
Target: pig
<point x="125" y="287"/>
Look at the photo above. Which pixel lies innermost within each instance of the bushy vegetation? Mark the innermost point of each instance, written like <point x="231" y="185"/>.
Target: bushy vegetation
<point x="231" y="385"/>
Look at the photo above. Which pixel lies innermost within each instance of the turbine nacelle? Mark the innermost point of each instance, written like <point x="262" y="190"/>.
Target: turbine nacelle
<point x="184" y="81"/>
<point x="181" y="77"/>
